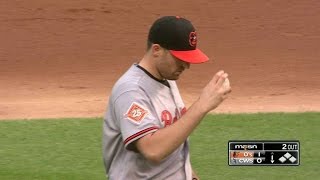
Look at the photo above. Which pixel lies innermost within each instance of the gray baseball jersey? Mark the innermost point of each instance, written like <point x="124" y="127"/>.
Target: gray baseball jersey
<point x="140" y="104"/>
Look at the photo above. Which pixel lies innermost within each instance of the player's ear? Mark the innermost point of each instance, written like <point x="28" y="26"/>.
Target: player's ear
<point x="157" y="50"/>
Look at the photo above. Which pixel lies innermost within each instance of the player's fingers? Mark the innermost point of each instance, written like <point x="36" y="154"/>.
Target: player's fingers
<point x="228" y="91"/>
<point x="221" y="79"/>
<point x="217" y="76"/>
<point x="226" y="94"/>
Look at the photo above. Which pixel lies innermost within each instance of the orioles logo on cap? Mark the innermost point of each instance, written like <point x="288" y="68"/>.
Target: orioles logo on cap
<point x="193" y="39"/>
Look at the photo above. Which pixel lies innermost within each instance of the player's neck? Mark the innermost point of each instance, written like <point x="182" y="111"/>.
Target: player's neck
<point x="148" y="65"/>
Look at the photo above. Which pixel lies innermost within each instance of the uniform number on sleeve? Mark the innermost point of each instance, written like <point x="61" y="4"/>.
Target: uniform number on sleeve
<point x="136" y="113"/>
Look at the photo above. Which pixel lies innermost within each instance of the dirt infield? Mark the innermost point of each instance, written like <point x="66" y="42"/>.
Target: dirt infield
<point x="61" y="58"/>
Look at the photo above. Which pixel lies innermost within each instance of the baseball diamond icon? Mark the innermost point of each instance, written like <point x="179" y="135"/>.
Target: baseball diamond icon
<point x="286" y="157"/>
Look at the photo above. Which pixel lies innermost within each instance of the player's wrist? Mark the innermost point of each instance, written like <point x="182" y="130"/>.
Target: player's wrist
<point x="200" y="107"/>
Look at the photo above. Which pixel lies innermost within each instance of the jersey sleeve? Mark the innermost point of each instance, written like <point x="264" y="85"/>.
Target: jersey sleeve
<point x="136" y="116"/>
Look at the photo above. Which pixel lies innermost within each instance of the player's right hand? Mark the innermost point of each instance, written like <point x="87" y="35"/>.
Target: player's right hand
<point x="214" y="93"/>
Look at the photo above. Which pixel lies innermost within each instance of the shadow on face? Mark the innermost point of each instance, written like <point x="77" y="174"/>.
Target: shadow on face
<point x="171" y="67"/>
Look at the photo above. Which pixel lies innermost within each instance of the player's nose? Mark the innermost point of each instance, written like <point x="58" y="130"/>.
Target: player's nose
<point x="186" y="65"/>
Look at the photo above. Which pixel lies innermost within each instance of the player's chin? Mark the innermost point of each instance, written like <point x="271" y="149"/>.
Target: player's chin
<point x="174" y="76"/>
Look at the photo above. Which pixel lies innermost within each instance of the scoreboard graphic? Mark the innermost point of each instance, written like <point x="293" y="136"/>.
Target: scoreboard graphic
<point x="264" y="153"/>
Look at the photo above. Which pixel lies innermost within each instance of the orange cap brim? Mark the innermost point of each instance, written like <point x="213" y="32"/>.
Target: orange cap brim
<point x="192" y="56"/>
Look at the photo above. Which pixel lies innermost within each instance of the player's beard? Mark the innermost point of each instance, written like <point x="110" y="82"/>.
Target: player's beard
<point x="174" y="76"/>
<point x="169" y="67"/>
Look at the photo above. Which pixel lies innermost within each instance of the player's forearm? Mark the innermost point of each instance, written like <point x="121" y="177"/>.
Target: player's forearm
<point x="159" y="145"/>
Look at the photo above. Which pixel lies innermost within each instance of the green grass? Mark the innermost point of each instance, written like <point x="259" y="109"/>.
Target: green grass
<point x="51" y="149"/>
<point x="71" y="148"/>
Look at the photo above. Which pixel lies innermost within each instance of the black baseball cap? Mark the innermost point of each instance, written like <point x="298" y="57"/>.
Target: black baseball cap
<point x="178" y="35"/>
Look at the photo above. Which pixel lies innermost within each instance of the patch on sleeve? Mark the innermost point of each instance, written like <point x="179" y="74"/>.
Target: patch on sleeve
<point x="136" y="113"/>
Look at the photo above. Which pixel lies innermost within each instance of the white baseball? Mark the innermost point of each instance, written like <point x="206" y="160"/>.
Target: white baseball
<point x="226" y="83"/>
